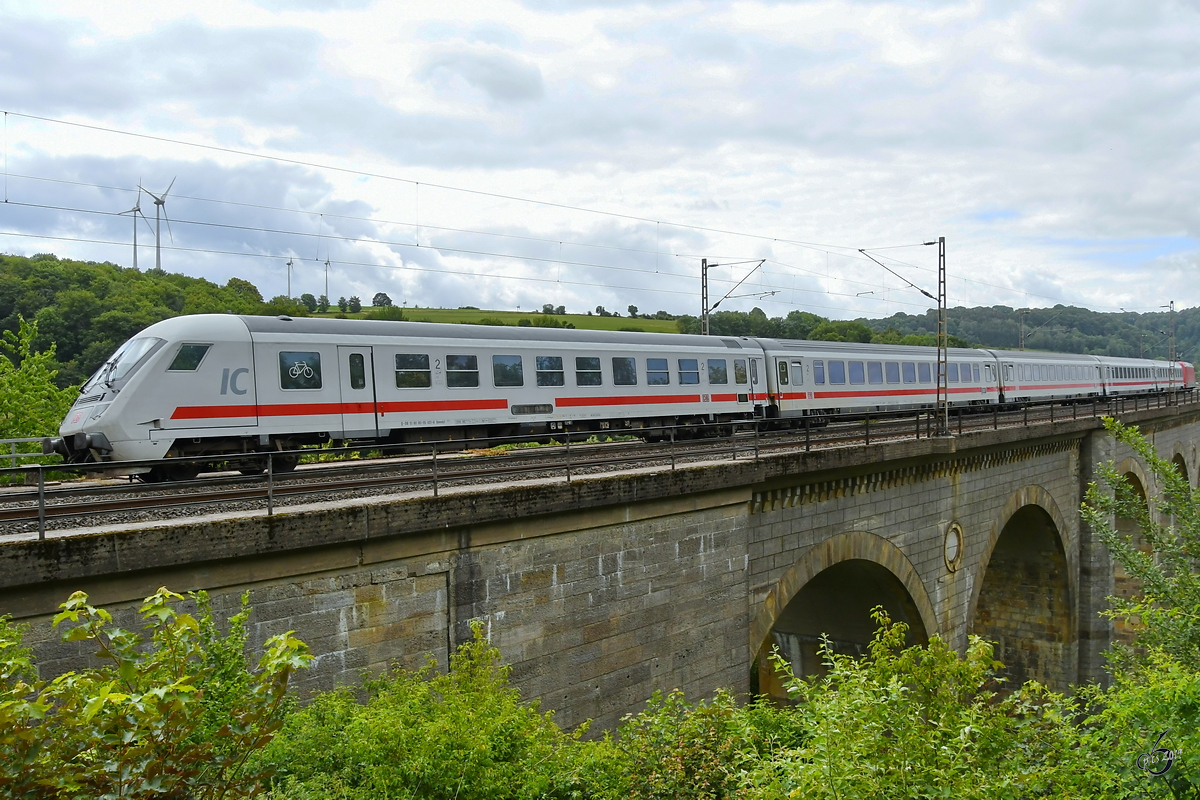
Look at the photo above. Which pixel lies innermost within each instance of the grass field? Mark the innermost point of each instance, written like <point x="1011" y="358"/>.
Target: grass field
<point x="581" y="321"/>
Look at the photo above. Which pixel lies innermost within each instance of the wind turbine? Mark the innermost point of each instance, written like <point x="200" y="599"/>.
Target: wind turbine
<point x="160" y="205"/>
<point x="136" y="211"/>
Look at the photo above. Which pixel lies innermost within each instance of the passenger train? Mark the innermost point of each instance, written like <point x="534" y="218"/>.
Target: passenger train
<point x="217" y="385"/>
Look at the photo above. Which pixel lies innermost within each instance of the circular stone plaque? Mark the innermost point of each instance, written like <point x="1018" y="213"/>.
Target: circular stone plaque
<point x="953" y="547"/>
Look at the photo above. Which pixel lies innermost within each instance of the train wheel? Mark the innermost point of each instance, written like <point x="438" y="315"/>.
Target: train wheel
<point x="252" y="467"/>
<point x="171" y="473"/>
<point x="288" y="463"/>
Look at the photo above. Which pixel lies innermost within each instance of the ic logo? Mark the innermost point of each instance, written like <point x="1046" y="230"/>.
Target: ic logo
<point x="229" y="381"/>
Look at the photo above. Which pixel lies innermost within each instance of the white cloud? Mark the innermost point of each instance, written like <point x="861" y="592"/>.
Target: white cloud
<point x="1016" y="130"/>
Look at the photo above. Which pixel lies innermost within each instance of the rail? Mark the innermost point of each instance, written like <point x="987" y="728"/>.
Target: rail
<point x="42" y="505"/>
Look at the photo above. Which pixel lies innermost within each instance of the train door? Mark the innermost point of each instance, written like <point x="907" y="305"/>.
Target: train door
<point x="357" y="370"/>
<point x="758" y="392"/>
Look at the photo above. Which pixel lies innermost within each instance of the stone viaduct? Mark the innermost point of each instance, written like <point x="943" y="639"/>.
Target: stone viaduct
<point x="600" y="590"/>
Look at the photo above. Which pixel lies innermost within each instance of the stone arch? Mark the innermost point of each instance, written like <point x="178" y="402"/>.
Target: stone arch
<point x="1125" y="586"/>
<point x="1179" y="461"/>
<point x="857" y="559"/>
<point x="1024" y="593"/>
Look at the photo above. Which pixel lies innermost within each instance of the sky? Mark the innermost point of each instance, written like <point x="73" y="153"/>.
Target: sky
<point x="587" y="153"/>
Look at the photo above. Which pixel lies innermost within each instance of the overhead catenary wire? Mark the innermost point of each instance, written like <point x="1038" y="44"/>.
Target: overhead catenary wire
<point x="827" y="250"/>
<point x="820" y="247"/>
<point x="377" y="265"/>
<point x="389" y="243"/>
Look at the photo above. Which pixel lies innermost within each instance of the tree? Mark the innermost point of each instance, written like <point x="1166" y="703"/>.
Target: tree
<point x="342" y="305"/>
<point x="1167" y="612"/>
<point x="355" y="304"/>
<point x="632" y="311"/>
<point x="381" y="300"/>
<point x="175" y="713"/>
<point x="601" y="312"/>
<point x="841" y="331"/>
<point x="560" y="310"/>
<point x="323" y="304"/>
<point x="1155" y="687"/>
<point x="548" y="308"/>
<point x="309" y="302"/>
<point x="30" y="402"/>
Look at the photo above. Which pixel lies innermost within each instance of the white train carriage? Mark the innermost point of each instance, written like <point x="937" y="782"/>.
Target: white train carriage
<point x="215" y="385"/>
<point x="1032" y="376"/>
<point x="821" y="378"/>
<point x="220" y="384"/>
<point x="1138" y="376"/>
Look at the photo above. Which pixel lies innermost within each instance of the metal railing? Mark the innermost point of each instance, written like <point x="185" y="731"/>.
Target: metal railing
<point x="266" y="480"/>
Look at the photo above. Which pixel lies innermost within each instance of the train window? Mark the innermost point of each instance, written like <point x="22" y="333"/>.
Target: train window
<point x="299" y="370"/>
<point x="689" y="371"/>
<point x="462" y="372"/>
<point x="717" y="371"/>
<point x="358" y="371"/>
<point x="857" y="374"/>
<point x="952" y="372"/>
<point x="783" y="373"/>
<point x="910" y="371"/>
<point x="412" y="371"/>
<point x="891" y="371"/>
<point x="819" y="372"/>
<point x="739" y="371"/>
<point x="656" y="372"/>
<point x="189" y="357"/>
<point x="874" y="372"/>
<point x="550" y="371"/>
<point x="587" y="371"/>
<point x="975" y="373"/>
<point x="507" y="371"/>
<point x="924" y="373"/>
<point x="837" y="371"/>
<point x="798" y="373"/>
<point x="625" y="371"/>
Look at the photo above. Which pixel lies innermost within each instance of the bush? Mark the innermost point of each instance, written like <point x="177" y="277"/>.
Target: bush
<point x="923" y="722"/>
<point x="175" y="714"/>
<point x="464" y="734"/>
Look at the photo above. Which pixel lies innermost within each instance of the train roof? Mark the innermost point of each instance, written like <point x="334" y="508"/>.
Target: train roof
<point x="444" y="330"/>
<point x="852" y="348"/>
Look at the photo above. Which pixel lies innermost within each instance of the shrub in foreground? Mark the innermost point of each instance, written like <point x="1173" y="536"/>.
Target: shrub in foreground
<point x="175" y="713"/>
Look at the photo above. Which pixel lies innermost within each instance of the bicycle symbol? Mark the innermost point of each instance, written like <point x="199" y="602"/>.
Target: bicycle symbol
<point x="301" y="368"/>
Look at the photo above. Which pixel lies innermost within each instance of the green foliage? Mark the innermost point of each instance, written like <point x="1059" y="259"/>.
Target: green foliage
<point x="354" y="305"/>
<point x="841" y="331"/>
<point x="309" y="302"/>
<point x="1156" y="694"/>
<point x="1167" y="612"/>
<point x="176" y="713"/>
<point x="922" y="722"/>
<point x="677" y="750"/>
<point x="388" y="312"/>
<point x="464" y="734"/>
<point x="31" y="404"/>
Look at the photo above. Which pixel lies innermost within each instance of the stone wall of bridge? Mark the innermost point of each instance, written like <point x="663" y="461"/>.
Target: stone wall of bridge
<point x="601" y="590"/>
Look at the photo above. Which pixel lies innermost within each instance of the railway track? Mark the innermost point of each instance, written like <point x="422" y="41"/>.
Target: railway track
<point x="79" y="504"/>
